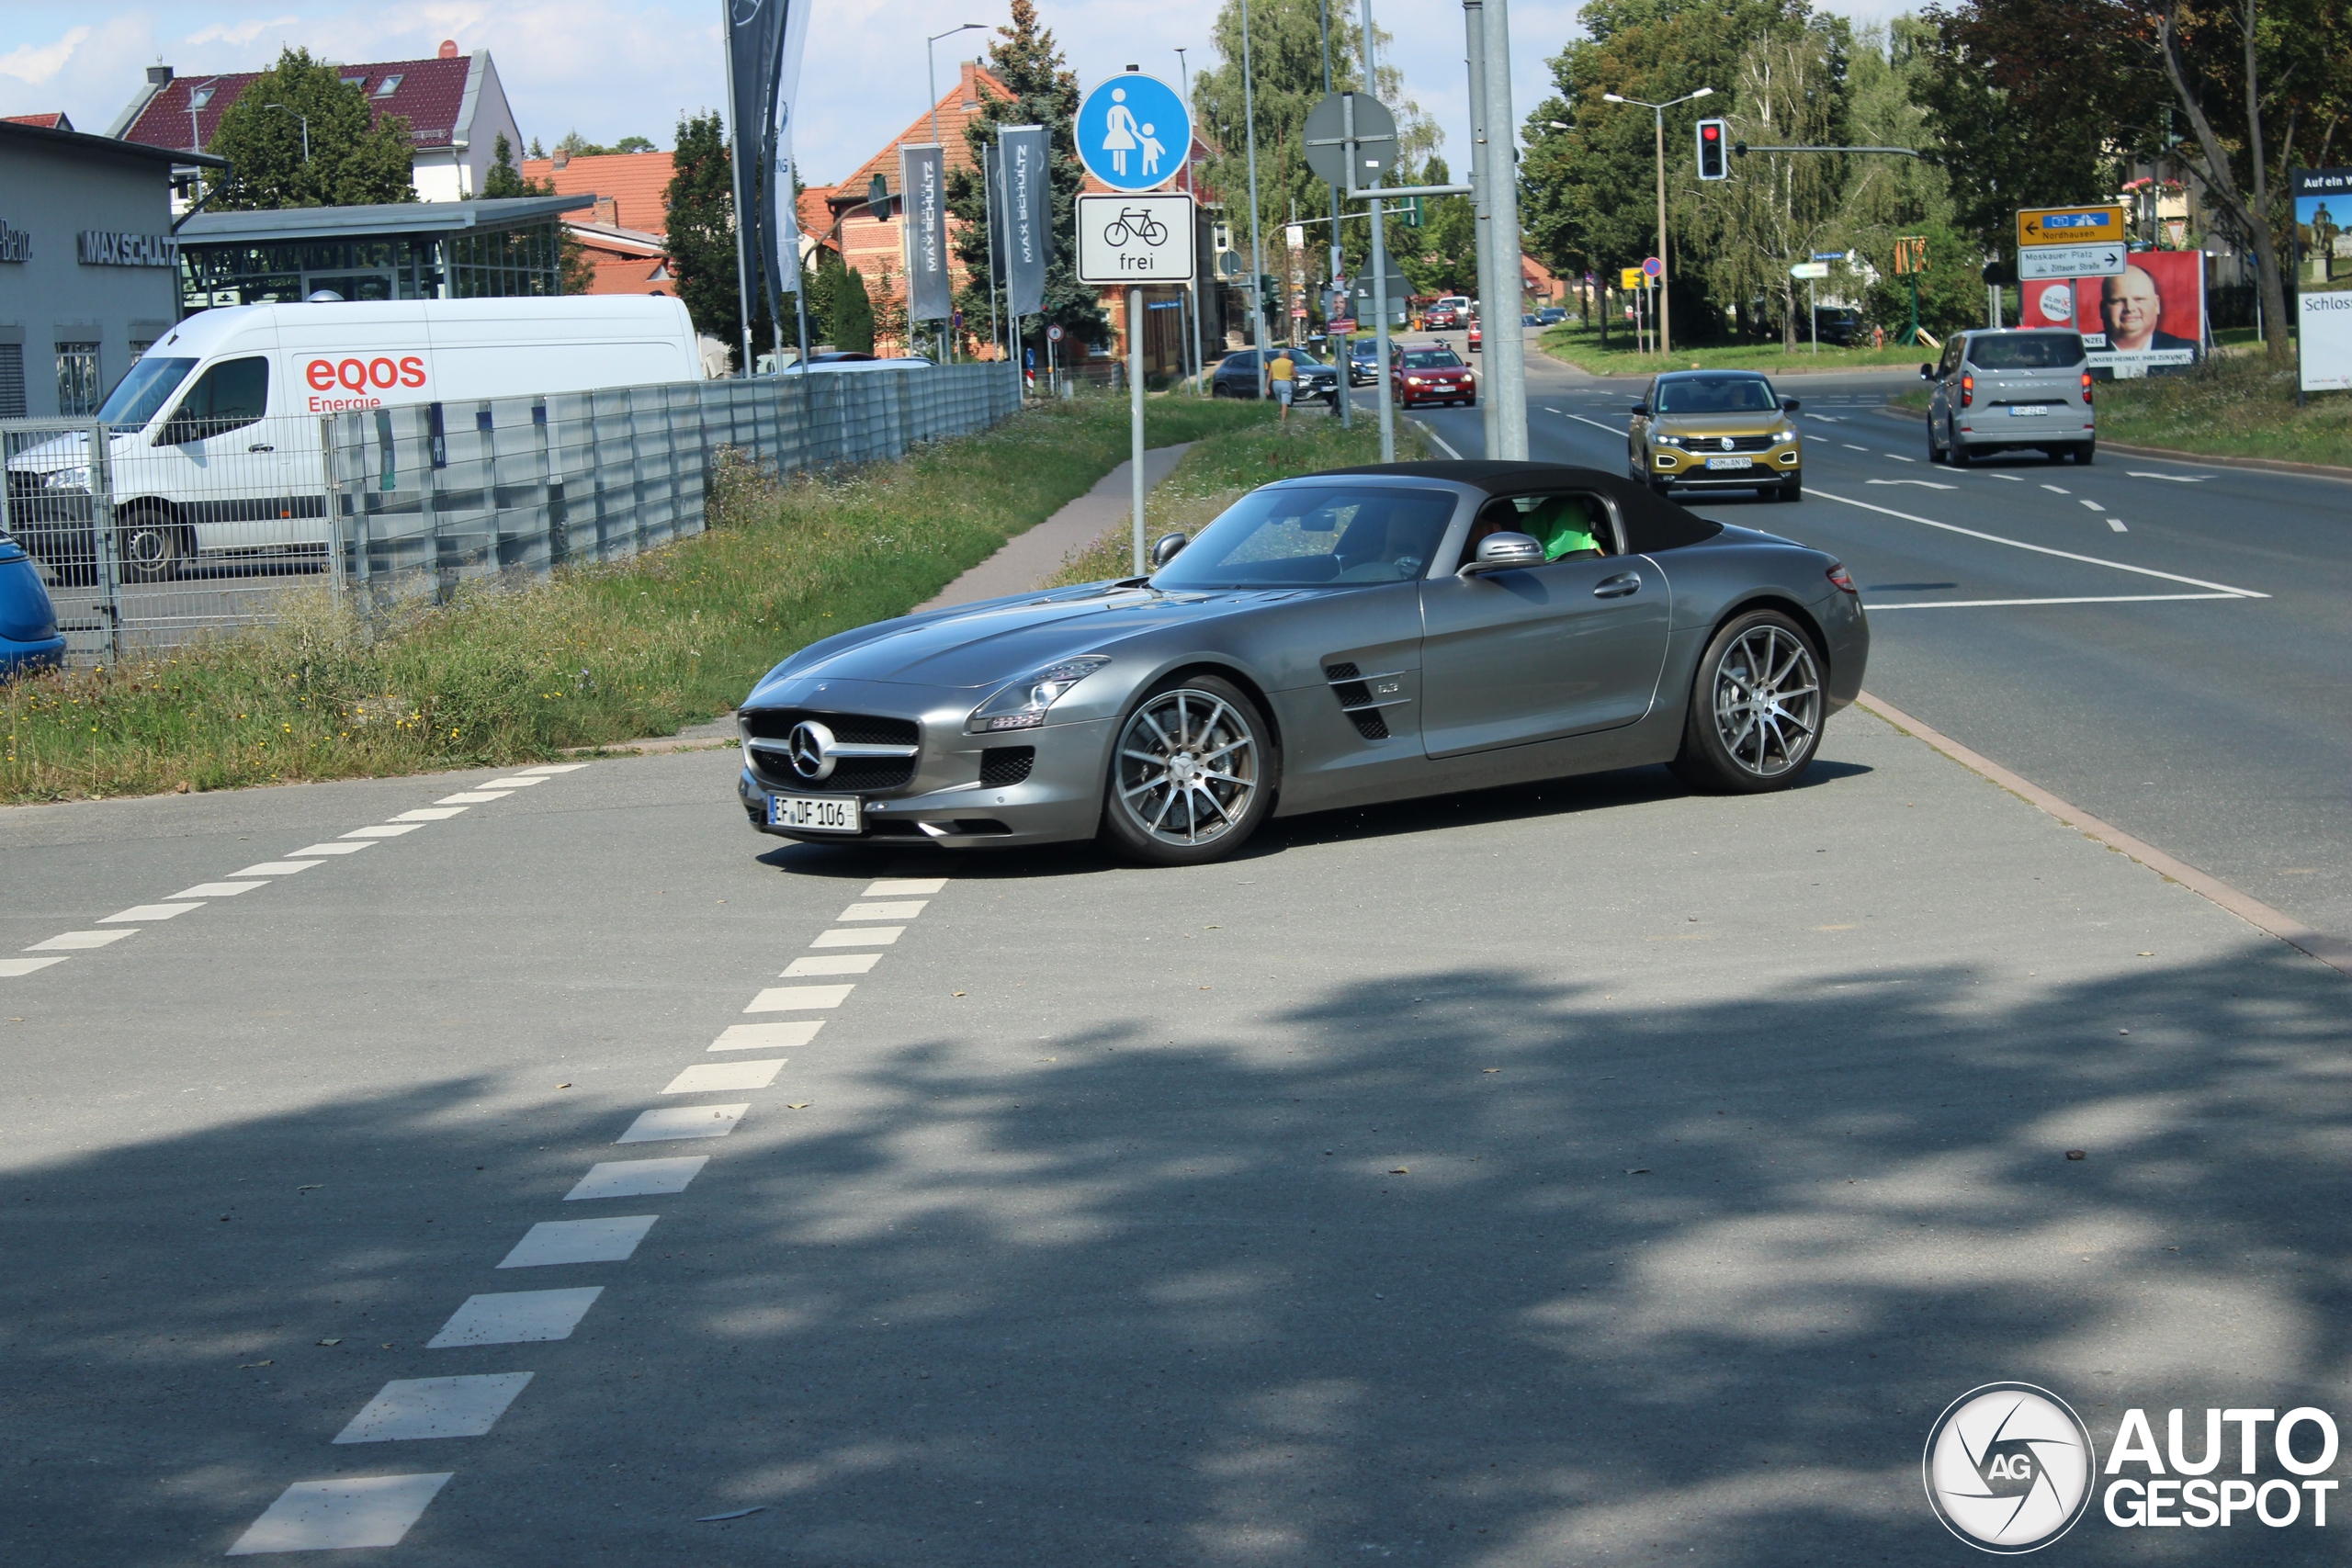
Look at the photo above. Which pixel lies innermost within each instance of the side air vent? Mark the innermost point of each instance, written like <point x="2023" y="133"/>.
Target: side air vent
<point x="1357" y="699"/>
<point x="1002" y="765"/>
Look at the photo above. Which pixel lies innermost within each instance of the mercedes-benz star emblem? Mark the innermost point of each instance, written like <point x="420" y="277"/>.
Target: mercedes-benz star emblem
<point x="811" y="748"/>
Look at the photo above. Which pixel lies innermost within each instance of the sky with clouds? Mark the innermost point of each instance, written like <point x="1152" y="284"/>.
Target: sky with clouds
<point x="610" y="68"/>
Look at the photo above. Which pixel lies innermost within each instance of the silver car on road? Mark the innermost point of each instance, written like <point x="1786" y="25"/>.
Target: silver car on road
<point x="1367" y="635"/>
<point x="2002" y="389"/>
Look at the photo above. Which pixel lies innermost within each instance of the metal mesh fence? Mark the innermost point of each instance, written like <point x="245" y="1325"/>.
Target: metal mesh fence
<point x="152" y="537"/>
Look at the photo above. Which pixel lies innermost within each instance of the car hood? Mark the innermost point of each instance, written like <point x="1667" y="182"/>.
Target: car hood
<point x="69" y="449"/>
<point x="996" y="640"/>
<point x="1720" y="423"/>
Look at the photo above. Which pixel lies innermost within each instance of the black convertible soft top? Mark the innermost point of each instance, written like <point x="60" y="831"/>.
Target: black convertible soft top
<point x="1652" y="522"/>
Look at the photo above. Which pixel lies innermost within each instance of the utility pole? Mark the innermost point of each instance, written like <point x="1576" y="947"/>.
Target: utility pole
<point x="1506" y="343"/>
<point x="1192" y="188"/>
<point x="1346" y="360"/>
<point x="1379" y="262"/>
<point x="1482" y="213"/>
<point x="1665" y="315"/>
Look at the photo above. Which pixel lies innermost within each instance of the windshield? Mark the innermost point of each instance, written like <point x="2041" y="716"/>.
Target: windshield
<point x="1296" y="535"/>
<point x="1430" y="359"/>
<point x="144" y="389"/>
<point x="1716" y="394"/>
<point x="2026" y="351"/>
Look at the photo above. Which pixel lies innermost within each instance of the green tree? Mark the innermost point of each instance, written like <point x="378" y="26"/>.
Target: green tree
<point x="505" y="181"/>
<point x="701" y="199"/>
<point x="849" y="309"/>
<point x="351" y="163"/>
<point x="1025" y="58"/>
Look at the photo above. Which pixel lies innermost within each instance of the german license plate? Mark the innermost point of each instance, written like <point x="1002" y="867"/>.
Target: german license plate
<point x="2028" y="410"/>
<point x="1731" y="462"/>
<point x="819" y="813"/>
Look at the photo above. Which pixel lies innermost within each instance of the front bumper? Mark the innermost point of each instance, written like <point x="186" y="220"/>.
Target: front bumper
<point x="1682" y="466"/>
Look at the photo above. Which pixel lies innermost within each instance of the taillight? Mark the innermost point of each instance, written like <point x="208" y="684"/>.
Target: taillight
<point x="2086" y="386"/>
<point x="1842" y="580"/>
<point x="1967" y="391"/>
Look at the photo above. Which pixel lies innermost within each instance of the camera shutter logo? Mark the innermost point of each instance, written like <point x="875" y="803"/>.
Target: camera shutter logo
<point x="2009" y="1468"/>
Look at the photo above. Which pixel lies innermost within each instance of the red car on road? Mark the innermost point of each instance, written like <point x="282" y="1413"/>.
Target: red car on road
<point x="1476" y="337"/>
<point x="1430" y="373"/>
<point x="1441" y="317"/>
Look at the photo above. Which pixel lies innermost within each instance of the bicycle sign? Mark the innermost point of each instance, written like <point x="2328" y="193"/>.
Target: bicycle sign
<point x="1135" y="238"/>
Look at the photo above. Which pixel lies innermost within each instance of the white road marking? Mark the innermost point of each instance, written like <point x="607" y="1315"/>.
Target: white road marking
<point x="2040" y="549"/>
<point x="412" y="1408"/>
<point x="2117" y="524"/>
<point x="518" y="782"/>
<point x="382" y="830"/>
<point x="430" y="814"/>
<point x="2109" y="599"/>
<point x="1561" y="412"/>
<point x="1825" y="418"/>
<point x="217" y="890"/>
<point x="858" y="936"/>
<point x="712" y="1078"/>
<point x="2057" y="490"/>
<point x="336" y="849"/>
<point x="2094" y="505"/>
<point x="786" y="999"/>
<point x="767" y="1036"/>
<point x="1612" y="429"/>
<point x="473" y="797"/>
<point x="636" y="1178"/>
<point x="1852" y="448"/>
<point x="516" y="1318"/>
<point x="1447" y="446"/>
<point x="1899" y="457"/>
<point x="553" y="1242"/>
<point x="275" y="868"/>
<point x="2177" y="479"/>
<point x="683" y="1121"/>
<point x="830" y="963"/>
<point x="904" y="886"/>
<point x="906" y="911"/>
<point x="348" y="1511"/>
<point x="2011" y="478"/>
<point x="1923" y="484"/>
<point x="12" y="967"/>
<point x="547" y="768"/>
<point x="147" y="912"/>
<point x="74" y="941"/>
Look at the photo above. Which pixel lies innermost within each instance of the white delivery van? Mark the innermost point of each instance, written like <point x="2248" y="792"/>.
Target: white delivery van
<point x="216" y="440"/>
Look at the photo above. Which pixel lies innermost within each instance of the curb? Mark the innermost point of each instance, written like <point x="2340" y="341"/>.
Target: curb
<point x="2332" y="951"/>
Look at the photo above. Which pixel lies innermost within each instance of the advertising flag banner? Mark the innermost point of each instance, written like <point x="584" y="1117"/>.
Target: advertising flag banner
<point x="785" y="96"/>
<point x="754" y="52"/>
<point x="2323" y="277"/>
<point x="1028" y="206"/>
<point x="2150" y="316"/>
<point x="920" y="178"/>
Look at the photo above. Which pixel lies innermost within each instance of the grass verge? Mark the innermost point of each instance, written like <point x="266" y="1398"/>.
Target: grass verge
<point x="1223" y="467"/>
<point x="1581" y="346"/>
<point x="597" y="655"/>
<point x="2232" y="406"/>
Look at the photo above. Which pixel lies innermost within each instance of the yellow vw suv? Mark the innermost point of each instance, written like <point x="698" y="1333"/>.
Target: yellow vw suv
<point x="1716" y="430"/>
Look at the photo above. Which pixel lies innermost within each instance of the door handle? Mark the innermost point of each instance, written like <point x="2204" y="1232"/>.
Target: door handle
<point x="263" y="447"/>
<point x="1619" y="586"/>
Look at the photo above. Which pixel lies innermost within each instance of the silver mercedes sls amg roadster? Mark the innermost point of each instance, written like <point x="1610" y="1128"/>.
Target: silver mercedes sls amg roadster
<point x="1365" y="635"/>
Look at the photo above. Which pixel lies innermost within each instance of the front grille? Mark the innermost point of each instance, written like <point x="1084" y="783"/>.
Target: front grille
<point x="1700" y="446"/>
<point x="1004" y="765"/>
<point x="859" y="729"/>
<point x="850" y="775"/>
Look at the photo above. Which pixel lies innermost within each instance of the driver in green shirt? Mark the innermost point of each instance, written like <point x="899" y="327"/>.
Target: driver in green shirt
<point x="1564" y="527"/>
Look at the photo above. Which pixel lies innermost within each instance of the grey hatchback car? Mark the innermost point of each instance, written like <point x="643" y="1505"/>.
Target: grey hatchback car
<point x="2006" y="388"/>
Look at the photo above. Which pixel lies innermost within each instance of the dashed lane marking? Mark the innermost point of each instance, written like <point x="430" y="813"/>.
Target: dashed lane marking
<point x="1899" y="457"/>
<point x="544" y="767"/>
<point x="2117" y="524"/>
<point x="473" y="797"/>
<point x="516" y="1317"/>
<point x="384" y="830"/>
<point x="349" y="1511"/>
<point x="275" y="868"/>
<point x="858" y="936"/>
<point x="336" y="849"/>
<point x="217" y="889"/>
<point x="2177" y="479"/>
<point x="513" y="784"/>
<point x="1852" y="448"/>
<point x="430" y="814"/>
<point x="2057" y="490"/>
<point x="789" y="999"/>
<point x="551" y="1243"/>
<point x="1612" y="429"/>
<point x="409" y="1409"/>
<point x="636" y="1178"/>
<point x="2094" y="505"/>
<point x="1923" y="484"/>
<point x="767" y="1036"/>
<point x="903" y="911"/>
<point x="142" y="912"/>
<point x="683" y="1121"/>
<point x="76" y="942"/>
<point x="12" y="967"/>
<point x="714" y="1077"/>
<point x="2011" y="478"/>
<point x="904" y="886"/>
<point x="830" y="963"/>
<point x="2221" y="588"/>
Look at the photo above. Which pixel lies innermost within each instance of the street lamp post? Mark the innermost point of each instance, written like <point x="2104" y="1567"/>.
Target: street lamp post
<point x="1192" y="183"/>
<point x="1665" y="317"/>
<point x="1257" y="251"/>
<point x="306" y="126"/>
<point x="930" y="80"/>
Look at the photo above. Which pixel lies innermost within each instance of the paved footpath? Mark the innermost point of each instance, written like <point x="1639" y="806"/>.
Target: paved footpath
<point x="1575" y="1173"/>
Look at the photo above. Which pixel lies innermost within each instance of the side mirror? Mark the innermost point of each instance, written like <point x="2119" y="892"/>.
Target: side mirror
<point x="1788" y="405"/>
<point x="1641" y="411"/>
<point x="1504" y="552"/>
<point x="1165" y="549"/>
<point x="1927" y="373"/>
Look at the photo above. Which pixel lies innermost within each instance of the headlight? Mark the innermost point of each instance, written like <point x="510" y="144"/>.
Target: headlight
<point x="1668" y="440"/>
<point x="1415" y="381"/>
<point x="1786" y="433"/>
<point x="1023" y="705"/>
<point x="67" y="478"/>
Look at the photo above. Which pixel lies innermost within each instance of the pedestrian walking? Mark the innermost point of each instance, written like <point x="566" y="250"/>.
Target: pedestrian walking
<point x="1283" y="377"/>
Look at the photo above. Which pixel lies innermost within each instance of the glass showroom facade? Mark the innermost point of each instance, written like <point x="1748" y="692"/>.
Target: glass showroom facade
<point x="264" y="258"/>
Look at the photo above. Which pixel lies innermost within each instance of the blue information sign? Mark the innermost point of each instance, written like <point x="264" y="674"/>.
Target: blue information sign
<point x="1133" y="132"/>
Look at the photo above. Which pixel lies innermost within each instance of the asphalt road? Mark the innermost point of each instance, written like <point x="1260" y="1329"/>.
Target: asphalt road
<point x="2191" y="693"/>
<point x="1581" y="1173"/>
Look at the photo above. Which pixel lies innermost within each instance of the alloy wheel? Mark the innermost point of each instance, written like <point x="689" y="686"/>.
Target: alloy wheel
<point x="1768" y="701"/>
<point x="1188" y="767"/>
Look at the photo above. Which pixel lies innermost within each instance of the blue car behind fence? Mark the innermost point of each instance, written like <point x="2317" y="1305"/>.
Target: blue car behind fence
<point x="29" y="636"/>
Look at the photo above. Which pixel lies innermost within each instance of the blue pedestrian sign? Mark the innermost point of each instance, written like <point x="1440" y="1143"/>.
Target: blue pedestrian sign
<point x="1134" y="132"/>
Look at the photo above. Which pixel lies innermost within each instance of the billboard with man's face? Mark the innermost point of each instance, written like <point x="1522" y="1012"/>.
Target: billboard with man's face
<point x="2151" y="315"/>
<point x="2323" y="277"/>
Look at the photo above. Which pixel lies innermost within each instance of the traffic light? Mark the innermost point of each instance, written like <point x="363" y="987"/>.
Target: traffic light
<point x="1713" y="135"/>
<point x="1409" y="210"/>
<point x="1270" y="293"/>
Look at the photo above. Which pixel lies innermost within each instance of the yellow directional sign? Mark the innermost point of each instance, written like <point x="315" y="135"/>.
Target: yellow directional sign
<point x="2070" y="226"/>
<point x="1631" y="277"/>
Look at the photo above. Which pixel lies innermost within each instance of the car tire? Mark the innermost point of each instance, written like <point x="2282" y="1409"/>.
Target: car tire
<point x="1659" y="488"/>
<point x="1935" y="452"/>
<point x="1210" y="714"/>
<point x="1958" y="451"/>
<point x="2085" y="451"/>
<point x="1790" y="490"/>
<point x="1217" y="390"/>
<point x="1733" y="743"/>
<point x="149" y="545"/>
